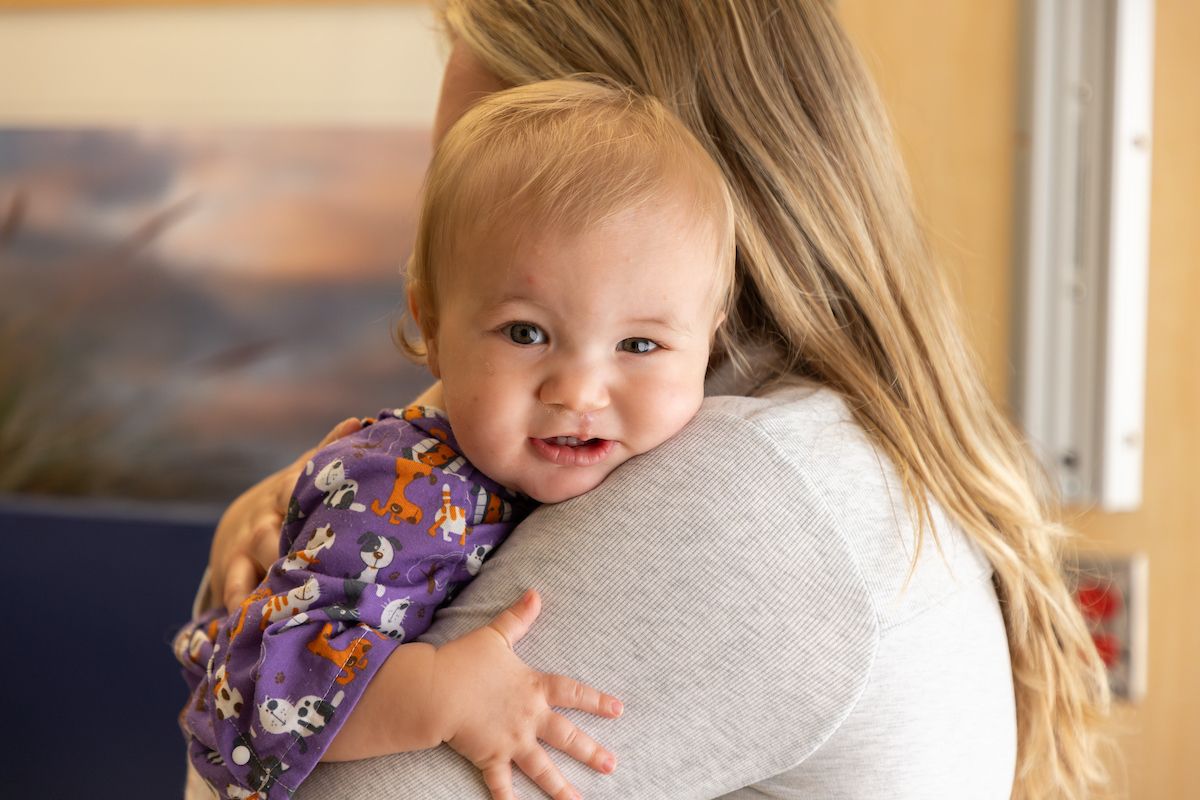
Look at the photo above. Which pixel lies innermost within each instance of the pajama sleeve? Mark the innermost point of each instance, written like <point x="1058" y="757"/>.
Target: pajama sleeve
<point x="378" y="534"/>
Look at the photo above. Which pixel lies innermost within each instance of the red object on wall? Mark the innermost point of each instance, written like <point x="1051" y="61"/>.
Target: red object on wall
<point x="1109" y="647"/>
<point x="1098" y="602"/>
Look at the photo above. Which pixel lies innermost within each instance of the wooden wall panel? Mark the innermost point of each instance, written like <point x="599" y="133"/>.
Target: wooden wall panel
<point x="946" y="70"/>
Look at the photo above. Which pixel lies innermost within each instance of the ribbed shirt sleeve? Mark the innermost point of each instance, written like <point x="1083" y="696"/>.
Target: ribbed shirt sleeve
<point x="709" y="587"/>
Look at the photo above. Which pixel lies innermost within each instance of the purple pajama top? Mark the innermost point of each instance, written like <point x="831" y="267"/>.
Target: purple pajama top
<point x="383" y="528"/>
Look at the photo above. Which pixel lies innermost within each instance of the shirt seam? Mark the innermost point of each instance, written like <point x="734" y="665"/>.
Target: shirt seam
<point x="876" y="627"/>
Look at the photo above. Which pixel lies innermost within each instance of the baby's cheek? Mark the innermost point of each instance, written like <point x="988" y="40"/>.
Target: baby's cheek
<point x="662" y="411"/>
<point x="495" y="438"/>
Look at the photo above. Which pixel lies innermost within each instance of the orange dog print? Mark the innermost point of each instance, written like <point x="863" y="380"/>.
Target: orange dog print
<point x="399" y="508"/>
<point x="348" y="659"/>
<point x="435" y="453"/>
<point x="261" y="593"/>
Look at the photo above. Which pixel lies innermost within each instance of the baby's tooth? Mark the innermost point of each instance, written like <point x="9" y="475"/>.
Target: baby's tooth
<point x="570" y="441"/>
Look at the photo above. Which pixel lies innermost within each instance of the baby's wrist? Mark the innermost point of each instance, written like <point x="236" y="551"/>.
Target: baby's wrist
<point x="402" y="712"/>
<point x="445" y="715"/>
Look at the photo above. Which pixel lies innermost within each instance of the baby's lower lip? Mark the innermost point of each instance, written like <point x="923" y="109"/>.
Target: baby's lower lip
<point x="584" y="454"/>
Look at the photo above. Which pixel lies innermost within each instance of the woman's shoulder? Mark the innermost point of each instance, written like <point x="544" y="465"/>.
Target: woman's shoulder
<point x="806" y="420"/>
<point x="819" y="449"/>
<point x="804" y="432"/>
<point x="795" y="416"/>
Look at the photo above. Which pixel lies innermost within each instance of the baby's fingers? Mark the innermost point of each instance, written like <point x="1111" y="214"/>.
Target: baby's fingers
<point x="564" y="692"/>
<point x="541" y="770"/>
<point x="561" y="734"/>
<point x="498" y="778"/>
<point x="514" y="622"/>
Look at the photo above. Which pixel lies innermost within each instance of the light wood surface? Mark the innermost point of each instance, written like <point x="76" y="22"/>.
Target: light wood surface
<point x="948" y="71"/>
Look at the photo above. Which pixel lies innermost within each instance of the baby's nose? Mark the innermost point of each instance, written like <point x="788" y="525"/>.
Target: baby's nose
<point x="577" y="388"/>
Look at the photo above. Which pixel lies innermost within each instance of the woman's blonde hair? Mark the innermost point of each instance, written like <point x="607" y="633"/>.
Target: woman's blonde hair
<point x="836" y="284"/>
<point x="563" y="155"/>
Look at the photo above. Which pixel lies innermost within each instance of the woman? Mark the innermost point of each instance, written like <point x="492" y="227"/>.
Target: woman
<point x="766" y="600"/>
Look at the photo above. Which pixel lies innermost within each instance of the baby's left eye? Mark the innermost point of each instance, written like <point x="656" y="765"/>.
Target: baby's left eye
<point x="637" y="346"/>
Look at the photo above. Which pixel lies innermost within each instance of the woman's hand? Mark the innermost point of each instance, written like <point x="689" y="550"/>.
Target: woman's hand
<point x="497" y="708"/>
<point x="246" y="541"/>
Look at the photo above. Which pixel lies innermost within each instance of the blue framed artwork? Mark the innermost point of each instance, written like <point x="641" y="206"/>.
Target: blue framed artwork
<point x="186" y="310"/>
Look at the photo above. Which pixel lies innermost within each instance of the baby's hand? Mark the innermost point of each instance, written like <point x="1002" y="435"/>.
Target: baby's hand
<point x="500" y="708"/>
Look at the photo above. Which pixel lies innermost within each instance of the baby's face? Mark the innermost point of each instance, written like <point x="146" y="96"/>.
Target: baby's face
<point x="562" y="355"/>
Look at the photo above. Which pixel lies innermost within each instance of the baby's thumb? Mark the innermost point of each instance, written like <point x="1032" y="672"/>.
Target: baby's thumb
<point x="514" y="622"/>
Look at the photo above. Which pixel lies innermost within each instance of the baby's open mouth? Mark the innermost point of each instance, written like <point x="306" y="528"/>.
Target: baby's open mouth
<point x="571" y="451"/>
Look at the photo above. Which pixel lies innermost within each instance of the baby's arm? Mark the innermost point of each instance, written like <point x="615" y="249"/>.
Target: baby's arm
<point x="476" y="695"/>
<point x="274" y="679"/>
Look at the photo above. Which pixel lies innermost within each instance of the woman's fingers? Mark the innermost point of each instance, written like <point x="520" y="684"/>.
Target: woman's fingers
<point x="498" y="778"/>
<point x="285" y="479"/>
<point x="344" y="428"/>
<point x="535" y="763"/>
<point x="562" y="734"/>
<point x="513" y="622"/>
<point x="264" y="542"/>
<point x="284" y="482"/>
<point x="565" y="692"/>
<point x="241" y="576"/>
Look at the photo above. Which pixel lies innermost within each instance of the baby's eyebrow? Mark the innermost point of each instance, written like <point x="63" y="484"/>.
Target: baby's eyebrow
<point x="513" y="299"/>
<point x="670" y="323"/>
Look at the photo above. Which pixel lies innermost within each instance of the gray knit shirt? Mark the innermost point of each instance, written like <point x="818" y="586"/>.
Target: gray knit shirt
<point x="743" y="590"/>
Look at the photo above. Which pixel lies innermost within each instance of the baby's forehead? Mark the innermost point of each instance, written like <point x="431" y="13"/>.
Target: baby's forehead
<point x="647" y="267"/>
<point x="527" y="250"/>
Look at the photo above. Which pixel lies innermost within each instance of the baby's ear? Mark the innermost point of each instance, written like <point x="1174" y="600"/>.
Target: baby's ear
<point x="414" y="304"/>
<point x="430" y="341"/>
<point x="431" y="356"/>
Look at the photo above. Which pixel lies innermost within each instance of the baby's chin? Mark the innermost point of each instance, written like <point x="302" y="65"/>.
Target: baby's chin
<point x="559" y="489"/>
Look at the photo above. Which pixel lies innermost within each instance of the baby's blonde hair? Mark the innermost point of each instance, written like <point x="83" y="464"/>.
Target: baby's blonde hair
<point x="562" y="155"/>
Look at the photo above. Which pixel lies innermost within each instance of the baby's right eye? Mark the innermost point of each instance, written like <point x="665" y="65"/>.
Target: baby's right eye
<point x="525" y="333"/>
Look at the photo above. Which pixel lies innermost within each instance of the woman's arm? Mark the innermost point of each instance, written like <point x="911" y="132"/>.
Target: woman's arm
<point x="707" y="585"/>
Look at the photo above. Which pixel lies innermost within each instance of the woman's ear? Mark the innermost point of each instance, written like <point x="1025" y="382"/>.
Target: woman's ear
<point x="430" y="340"/>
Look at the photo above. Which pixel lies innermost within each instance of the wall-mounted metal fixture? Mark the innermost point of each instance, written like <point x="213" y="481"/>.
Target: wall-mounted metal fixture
<point x="1083" y="223"/>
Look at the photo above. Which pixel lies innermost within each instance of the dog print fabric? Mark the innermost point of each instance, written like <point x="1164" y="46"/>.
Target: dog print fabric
<point x="383" y="528"/>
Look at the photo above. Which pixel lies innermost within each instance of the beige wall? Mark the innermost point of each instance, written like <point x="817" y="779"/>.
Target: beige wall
<point x="948" y="71"/>
<point x="247" y="64"/>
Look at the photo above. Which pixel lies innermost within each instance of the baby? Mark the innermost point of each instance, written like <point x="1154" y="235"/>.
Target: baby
<point x="573" y="262"/>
